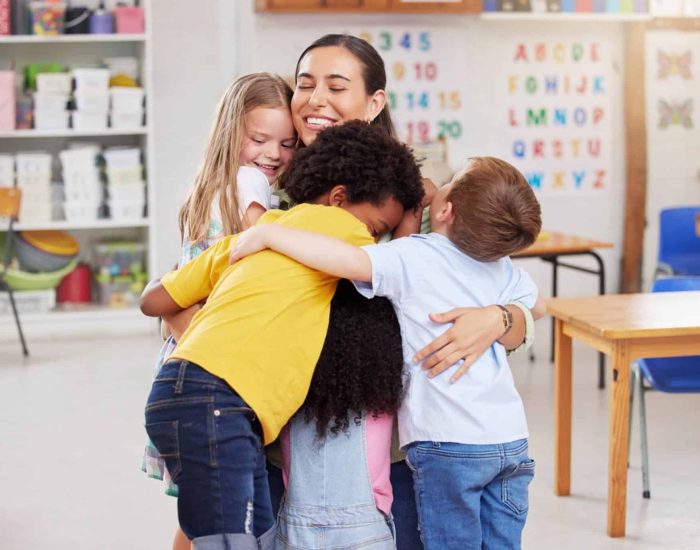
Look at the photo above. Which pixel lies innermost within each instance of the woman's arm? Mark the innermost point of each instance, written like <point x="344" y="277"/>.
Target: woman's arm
<point x="472" y="332"/>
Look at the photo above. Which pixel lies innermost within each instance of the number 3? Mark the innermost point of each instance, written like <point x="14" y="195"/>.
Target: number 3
<point x="384" y="41"/>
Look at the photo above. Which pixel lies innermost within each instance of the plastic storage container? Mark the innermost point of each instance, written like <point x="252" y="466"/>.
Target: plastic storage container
<point x="28" y="301"/>
<point x="126" y="210"/>
<point x="122" y="157"/>
<point x="120" y="291"/>
<point x="120" y="258"/>
<point x="54" y="83"/>
<point x="135" y="191"/>
<point x="81" y="211"/>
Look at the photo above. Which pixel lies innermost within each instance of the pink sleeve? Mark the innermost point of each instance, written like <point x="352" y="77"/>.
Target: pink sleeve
<point x="285" y="444"/>
<point x="378" y="433"/>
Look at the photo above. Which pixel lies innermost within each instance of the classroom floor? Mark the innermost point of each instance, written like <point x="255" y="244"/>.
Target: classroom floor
<point x="72" y="440"/>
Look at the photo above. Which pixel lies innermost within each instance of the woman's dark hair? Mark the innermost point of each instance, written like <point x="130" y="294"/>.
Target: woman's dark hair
<point x="373" y="71"/>
<point x="359" y="369"/>
<point x="372" y="166"/>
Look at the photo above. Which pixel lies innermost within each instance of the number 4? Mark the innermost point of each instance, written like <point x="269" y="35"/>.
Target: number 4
<point x="406" y="41"/>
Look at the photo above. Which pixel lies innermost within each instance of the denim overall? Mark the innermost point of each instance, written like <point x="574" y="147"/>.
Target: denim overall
<point x="329" y="502"/>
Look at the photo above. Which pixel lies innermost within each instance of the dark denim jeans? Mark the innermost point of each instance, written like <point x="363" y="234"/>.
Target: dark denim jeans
<point x="404" y="508"/>
<point x="210" y="440"/>
<point x="471" y="496"/>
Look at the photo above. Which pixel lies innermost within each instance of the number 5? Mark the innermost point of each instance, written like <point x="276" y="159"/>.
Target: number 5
<point x="424" y="41"/>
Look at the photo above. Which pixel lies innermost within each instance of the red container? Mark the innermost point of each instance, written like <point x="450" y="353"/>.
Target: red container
<point x="584" y="5"/>
<point x="76" y="287"/>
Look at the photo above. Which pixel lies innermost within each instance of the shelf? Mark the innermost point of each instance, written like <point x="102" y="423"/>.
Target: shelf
<point x="97" y="224"/>
<point x="597" y="17"/>
<point x="67" y="321"/>
<point x="82" y="312"/>
<point x="71" y="38"/>
<point x="13" y="134"/>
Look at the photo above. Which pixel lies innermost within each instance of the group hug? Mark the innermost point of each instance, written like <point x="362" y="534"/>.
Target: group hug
<point x="335" y="371"/>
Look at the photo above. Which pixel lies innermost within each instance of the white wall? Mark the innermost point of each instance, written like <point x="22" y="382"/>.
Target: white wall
<point x="673" y="163"/>
<point x="194" y="59"/>
<point x="198" y="52"/>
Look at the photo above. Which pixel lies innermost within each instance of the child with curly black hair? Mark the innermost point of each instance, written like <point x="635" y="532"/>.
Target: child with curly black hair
<point x="336" y="449"/>
<point x="225" y="390"/>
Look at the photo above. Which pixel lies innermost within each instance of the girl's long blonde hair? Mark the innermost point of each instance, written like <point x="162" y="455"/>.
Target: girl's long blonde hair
<point x="218" y="171"/>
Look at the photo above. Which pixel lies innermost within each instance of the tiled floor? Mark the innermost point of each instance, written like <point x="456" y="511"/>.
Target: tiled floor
<point x="71" y="443"/>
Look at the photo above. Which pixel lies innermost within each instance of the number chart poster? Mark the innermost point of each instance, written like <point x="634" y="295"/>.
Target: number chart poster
<point x="558" y="114"/>
<point x="426" y="81"/>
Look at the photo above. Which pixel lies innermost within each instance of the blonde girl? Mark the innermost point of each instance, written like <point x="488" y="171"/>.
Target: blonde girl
<point x="250" y="144"/>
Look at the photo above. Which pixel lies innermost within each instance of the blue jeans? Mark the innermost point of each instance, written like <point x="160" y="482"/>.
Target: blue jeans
<point x="210" y="440"/>
<point x="471" y="496"/>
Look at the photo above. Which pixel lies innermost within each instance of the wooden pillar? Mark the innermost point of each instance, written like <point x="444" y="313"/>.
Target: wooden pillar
<point x="635" y="158"/>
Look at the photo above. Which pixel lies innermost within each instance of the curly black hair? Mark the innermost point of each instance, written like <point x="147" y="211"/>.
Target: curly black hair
<point x="360" y="364"/>
<point x="369" y="163"/>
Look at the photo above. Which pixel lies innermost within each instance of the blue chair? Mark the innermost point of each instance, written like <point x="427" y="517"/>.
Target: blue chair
<point x="679" y="243"/>
<point x="668" y="374"/>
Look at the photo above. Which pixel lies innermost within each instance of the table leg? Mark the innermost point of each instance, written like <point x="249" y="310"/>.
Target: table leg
<point x="555" y="291"/>
<point x="619" y="439"/>
<point x="562" y="404"/>
<point x="601" y="291"/>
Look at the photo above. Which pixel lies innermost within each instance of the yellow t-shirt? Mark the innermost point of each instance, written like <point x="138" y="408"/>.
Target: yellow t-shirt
<point x="266" y="317"/>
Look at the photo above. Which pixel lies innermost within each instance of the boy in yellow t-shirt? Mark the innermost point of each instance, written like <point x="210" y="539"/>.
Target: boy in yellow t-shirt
<point x="244" y="365"/>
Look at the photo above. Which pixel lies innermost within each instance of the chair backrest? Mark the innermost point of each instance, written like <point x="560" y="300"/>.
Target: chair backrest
<point x="679" y="243"/>
<point x="676" y="284"/>
<point x="10" y="199"/>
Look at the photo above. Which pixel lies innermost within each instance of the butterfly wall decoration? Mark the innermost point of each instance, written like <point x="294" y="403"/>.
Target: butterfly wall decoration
<point x="675" y="113"/>
<point x="674" y="64"/>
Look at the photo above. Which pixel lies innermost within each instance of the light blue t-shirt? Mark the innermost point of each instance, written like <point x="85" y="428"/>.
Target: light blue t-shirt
<point x="424" y="274"/>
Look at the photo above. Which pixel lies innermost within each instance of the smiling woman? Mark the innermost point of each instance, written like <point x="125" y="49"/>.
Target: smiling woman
<point x="340" y="78"/>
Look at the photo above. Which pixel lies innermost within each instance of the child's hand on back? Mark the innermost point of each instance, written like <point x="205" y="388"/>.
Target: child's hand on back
<point x="249" y="242"/>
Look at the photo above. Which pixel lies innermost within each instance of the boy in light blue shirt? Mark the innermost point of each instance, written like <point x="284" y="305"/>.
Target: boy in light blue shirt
<point x="466" y="436"/>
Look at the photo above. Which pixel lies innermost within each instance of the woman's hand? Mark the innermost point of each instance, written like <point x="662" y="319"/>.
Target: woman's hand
<point x="472" y="332"/>
<point x="249" y="242"/>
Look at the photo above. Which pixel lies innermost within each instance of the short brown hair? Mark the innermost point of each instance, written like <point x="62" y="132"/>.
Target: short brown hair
<point x="495" y="210"/>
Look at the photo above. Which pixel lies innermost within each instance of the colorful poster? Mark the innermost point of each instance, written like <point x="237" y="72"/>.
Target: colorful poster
<point x="558" y="114"/>
<point x="424" y="82"/>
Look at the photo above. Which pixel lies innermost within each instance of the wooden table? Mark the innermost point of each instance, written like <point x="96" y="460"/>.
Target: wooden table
<point x="627" y="327"/>
<point x="697" y="224"/>
<point x="549" y="247"/>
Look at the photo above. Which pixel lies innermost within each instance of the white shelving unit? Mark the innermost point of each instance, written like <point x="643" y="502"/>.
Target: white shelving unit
<point x="597" y="17"/>
<point x="72" y="50"/>
<point x="70" y="133"/>
<point x="67" y="38"/>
